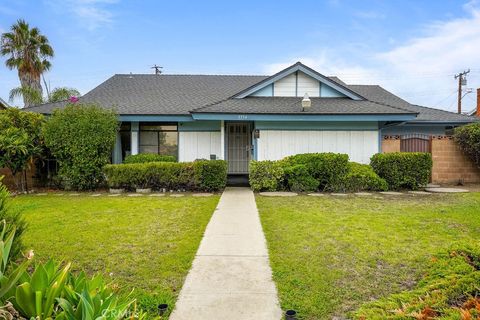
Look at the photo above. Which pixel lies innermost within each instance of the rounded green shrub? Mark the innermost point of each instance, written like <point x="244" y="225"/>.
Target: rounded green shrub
<point x="265" y="175"/>
<point x="403" y="170"/>
<point x="329" y="169"/>
<point x="299" y="179"/>
<point x="361" y="177"/>
<point x="148" y="157"/>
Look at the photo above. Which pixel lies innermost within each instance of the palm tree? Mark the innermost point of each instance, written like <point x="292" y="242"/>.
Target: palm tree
<point x="62" y="93"/>
<point x="35" y="96"/>
<point x="28" y="52"/>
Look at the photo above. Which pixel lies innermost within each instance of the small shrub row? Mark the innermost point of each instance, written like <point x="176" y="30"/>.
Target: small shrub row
<point x="403" y="170"/>
<point x="148" y="157"/>
<point x="449" y="290"/>
<point x="208" y="175"/>
<point x="314" y="171"/>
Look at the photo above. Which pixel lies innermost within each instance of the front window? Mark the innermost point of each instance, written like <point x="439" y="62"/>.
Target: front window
<point x="159" y="138"/>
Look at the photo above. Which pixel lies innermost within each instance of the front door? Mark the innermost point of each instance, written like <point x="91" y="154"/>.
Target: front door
<point x="239" y="146"/>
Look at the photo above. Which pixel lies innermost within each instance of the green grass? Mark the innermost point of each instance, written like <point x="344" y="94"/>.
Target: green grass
<point x="143" y="243"/>
<point x="329" y="255"/>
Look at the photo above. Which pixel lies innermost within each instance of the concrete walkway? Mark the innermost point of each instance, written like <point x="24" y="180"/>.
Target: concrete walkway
<point x="231" y="276"/>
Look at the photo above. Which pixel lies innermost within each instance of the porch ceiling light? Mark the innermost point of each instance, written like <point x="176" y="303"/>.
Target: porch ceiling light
<point x="306" y="102"/>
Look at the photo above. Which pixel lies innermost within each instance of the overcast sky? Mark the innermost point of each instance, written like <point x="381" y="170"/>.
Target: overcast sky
<point x="412" y="48"/>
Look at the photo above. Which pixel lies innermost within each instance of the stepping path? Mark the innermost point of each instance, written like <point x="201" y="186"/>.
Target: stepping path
<point x="279" y="194"/>
<point x="445" y="190"/>
<point x="230" y="277"/>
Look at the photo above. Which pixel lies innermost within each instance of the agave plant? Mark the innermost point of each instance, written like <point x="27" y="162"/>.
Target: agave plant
<point x="8" y="281"/>
<point x="36" y="296"/>
<point x="94" y="298"/>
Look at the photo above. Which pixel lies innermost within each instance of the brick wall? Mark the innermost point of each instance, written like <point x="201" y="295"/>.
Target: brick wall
<point x="450" y="165"/>
<point x="391" y="144"/>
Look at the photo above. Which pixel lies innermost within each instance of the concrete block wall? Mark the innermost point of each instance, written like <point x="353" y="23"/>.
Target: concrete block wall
<point x="450" y="164"/>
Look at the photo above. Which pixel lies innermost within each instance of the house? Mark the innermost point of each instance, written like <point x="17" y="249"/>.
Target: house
<point x="243" y="117"/>
<point x="3" y="104"/>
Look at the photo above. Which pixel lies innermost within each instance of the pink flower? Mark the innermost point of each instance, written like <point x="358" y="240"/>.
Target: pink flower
<point x="73" y="99"/>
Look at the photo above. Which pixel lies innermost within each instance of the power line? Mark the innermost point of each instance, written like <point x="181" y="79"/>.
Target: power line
<point x="462" y="81"/>
<point x="449" y="96"/>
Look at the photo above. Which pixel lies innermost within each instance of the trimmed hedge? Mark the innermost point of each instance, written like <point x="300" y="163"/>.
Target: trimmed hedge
<point x="210" y="174"/>
<point x="148" y="157"/>
<point x="328" y="169"/>
<point x="200" y="175"/>
<point x="361" y="177"/>
<point x="403" y="170"/>
<point x="266" y="175"/>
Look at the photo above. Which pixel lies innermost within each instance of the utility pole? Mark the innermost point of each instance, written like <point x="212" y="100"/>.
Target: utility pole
<point x="462" y="81"/>
<point x="157" y="69"/>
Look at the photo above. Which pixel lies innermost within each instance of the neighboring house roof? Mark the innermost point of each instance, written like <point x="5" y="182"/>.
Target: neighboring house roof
<point x="3" y="104"/>
<point x="379" y="94"/>
<point x="139" y="94"/>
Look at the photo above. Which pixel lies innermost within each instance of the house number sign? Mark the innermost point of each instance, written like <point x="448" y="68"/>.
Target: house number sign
<point x="242" y="117"/>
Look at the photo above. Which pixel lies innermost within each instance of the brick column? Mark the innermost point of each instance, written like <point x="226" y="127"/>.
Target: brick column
<point x="390" y="144"/>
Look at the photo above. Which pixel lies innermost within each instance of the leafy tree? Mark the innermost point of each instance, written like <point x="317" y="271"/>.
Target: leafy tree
<point x="28" y="52"/>
<point x="468" y="137"/>
<point x="81" y="137"/>
<point x="20" y="141"/>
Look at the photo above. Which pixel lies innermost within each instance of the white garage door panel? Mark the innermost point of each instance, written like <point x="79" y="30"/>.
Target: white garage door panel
<point x="277" y="144"/>
<point x="198" y="145"/>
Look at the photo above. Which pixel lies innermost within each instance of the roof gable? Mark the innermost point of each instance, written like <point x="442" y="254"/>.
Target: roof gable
<point x="288" y="75"/>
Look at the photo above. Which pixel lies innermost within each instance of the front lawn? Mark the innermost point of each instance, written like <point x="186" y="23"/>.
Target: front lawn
<point x="144" y="243"/>
<point x="329" y="255"/>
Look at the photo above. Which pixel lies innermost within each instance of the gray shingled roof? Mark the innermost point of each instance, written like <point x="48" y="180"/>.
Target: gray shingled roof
<point x="140" y="94"/>
<point x="160" y="94"/>
<point x="379" y="94"/>
<point x="293" y="105"/>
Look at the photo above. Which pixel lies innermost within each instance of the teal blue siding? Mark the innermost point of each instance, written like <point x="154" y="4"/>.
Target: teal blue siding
<point x="302" y="117"/>
<point x="328" y="92"/>
<point x="264" y="92"/>
<point x="155" y="118"/>
<point x="199" y="126"/>
<point x="300" y="125"/>
<point x="409" y="129"/>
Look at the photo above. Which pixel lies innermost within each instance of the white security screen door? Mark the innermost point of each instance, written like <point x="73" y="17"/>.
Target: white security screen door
<point x="239" y="146"/>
